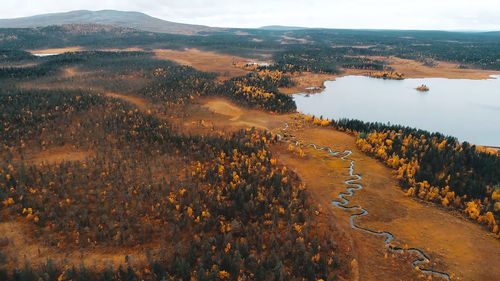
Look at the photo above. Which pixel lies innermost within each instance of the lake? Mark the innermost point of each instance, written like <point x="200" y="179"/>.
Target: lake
<point x="466" y="109"/>
<point x="45" y="55"/>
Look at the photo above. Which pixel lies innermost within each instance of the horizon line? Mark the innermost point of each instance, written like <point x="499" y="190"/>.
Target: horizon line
<point x="458" y="30"/>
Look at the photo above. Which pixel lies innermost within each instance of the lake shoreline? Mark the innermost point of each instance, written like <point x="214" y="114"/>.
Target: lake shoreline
<point x="410" y="68"/>
<point x="460" y="108"/>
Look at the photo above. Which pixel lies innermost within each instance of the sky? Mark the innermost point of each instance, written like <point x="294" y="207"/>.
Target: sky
<point x="363" y="14"/>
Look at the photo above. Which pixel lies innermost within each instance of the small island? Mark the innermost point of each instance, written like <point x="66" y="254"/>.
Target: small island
<point x="423" y="88"/>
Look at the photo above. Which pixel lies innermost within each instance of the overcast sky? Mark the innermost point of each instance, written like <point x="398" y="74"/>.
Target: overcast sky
<point x="376" y="14"/>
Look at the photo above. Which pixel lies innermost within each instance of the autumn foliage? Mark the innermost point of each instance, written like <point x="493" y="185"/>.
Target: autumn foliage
<point x="211" y="206"/>
<point x="433" y="167"/>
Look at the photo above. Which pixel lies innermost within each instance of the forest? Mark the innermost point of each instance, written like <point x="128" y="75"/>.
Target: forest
<point x="318" y="50"/>
<point x="170" y="83"/>
<point x="203" y="206"/>
<point x="433" y="167"/>
<point x="208" y="207"/>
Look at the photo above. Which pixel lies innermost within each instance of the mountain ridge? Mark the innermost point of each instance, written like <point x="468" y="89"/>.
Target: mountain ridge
<point x="127" y="19"/>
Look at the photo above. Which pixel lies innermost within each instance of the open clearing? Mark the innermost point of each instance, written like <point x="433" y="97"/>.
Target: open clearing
<point x="229" y="116"/>
<point x="206" y="61"/>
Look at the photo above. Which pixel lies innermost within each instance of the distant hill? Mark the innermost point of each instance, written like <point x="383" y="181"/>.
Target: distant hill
<point x="134" y="20"/>
<point x="281" y="27"/>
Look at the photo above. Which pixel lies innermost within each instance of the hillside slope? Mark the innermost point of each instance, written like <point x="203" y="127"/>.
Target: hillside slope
<point x="134" y="20"/>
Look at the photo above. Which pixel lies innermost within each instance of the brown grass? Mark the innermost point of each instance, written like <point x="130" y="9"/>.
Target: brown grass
<point x="223" y="107"/>
<point x="206" y="61"/>
<point x="230" y="116"/>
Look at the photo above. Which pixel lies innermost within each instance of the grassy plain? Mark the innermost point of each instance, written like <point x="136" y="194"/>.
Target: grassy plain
<point x="206" y="61"/>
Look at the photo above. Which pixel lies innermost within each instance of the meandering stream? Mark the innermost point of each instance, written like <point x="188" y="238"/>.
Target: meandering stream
<point x="353" y="185"/>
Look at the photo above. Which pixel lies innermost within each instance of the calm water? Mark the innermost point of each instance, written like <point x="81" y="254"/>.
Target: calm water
<point x="45" y="55"/>
<point x="466" y="109"/>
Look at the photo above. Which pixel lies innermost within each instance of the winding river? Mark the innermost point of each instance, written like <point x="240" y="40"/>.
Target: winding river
<point x="343" y="203"/>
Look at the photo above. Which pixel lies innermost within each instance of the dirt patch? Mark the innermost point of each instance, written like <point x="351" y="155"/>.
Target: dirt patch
<point x="206" y="61"/>
<point x="224" y="107"/>
<point x="56" y="50"/>
<point x="455" y="245"/>
<point x="222" y="113"/>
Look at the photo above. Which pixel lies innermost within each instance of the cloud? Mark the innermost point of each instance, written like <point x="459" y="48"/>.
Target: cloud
<point x="387" y="14"/>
